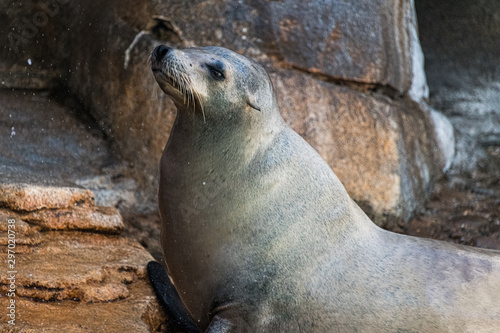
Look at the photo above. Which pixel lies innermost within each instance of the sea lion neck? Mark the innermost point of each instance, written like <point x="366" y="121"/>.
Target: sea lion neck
<point x="219" y="139"/>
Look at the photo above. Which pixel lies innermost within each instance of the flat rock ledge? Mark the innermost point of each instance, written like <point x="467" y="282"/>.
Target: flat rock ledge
<point x="68" y="268"/>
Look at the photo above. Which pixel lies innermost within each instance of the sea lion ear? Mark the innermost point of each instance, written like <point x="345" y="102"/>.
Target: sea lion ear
<point x="252" y="102"/>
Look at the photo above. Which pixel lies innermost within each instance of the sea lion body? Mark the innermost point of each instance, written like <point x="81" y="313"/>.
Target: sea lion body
<point x="259" y="235"/>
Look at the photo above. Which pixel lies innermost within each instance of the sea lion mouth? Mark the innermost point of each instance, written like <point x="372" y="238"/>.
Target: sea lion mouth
<point x="171" y="71"/>
<point x="166" y="77"/>
<point x="180" y="86"/>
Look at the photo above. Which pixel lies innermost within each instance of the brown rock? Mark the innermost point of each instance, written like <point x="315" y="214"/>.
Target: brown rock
<point x="139" y="312"/>
<point x="8" y="217"/>
<point x="13" y="228"/>
<point x="491" y="242"/>
<point x="369" y="145"/>
<point x="67" y="280"/>
<point x="101" y="219"/>
<point x="105" y="293"/>
<point x="25" y="197"/>
<point x="470" y="224"/>
<point x="85" y="266"/>
<point x="75" y="281"/>
<point x="363" y="41"/>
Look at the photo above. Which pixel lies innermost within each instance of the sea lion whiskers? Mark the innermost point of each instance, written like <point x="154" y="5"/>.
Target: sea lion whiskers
<point x="182" y="82"/>
<point x="192" y="94"/>
<point x="195" y="93"/>
<point x="173" y="71"/>
<point x="179" y="80"/>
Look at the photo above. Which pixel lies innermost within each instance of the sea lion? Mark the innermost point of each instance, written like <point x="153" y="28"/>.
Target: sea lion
<point x="259" y="235"/>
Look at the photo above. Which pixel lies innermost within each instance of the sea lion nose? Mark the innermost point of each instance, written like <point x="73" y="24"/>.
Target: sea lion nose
<point x="161" y="51"/>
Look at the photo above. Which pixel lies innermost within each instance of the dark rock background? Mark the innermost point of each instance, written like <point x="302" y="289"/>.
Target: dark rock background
<point x="460" y="43"/>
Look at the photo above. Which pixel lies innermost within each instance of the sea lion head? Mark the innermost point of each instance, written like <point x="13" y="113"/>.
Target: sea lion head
<point x="214" y="82"/>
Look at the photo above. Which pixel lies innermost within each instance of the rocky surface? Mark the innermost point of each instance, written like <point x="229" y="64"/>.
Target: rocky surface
<point x="49" y="140"/>
<point x="361" y="42"/>
<point x="459" y="39"/>
<point x="461" y="56"/>
<point x="100" y="219"/>
<point x="464" y="208"/>
<point x="97" y="278"/>
<point x="32" y="197"/>
<point x="137" y="314"/>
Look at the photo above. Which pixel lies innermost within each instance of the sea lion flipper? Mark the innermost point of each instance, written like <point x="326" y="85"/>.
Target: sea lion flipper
<point x="170" y="300"/>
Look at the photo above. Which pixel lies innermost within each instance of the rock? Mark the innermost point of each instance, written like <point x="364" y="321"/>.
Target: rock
<point x="73" y="265"/>
<point x="26" y="234"/>
<point x="46" y="143"/>
<point x="445" y="139"/>
<point x="470" y="222"/>
<point x="77" y="282"/>
<point x="146" y="230"/>
<point x="361" y="137"/>
<point x="495" y="226"/>
<point x="73" y="280"/>
<point x="26" y="197"/>
<point x="362" y="41"/>
<point x="488" y="242"/>
<point x="138" y="313"/>
<point x="461" y="60"/>
<point x="100" y="219"/>
<point x="118" y="191"/>
<point x="64" y="149"/>
<point x="28" y="26"/>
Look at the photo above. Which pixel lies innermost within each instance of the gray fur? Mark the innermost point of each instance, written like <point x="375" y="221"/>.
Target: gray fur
<point x="259" y="235"/>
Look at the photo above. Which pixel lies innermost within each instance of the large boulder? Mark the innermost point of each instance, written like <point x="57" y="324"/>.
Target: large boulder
<point x="66" y="268"/>
<point x="349" y="78"/>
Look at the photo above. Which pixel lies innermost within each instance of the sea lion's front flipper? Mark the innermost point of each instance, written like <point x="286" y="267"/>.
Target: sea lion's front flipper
<point x="180" y="319"/>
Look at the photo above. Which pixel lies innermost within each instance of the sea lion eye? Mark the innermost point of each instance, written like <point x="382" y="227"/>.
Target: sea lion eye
<point x="216" y="71"/>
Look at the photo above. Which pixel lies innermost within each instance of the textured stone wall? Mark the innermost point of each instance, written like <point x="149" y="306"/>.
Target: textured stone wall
<point x="462" y="51"/>
<point x="348" y="75"/>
